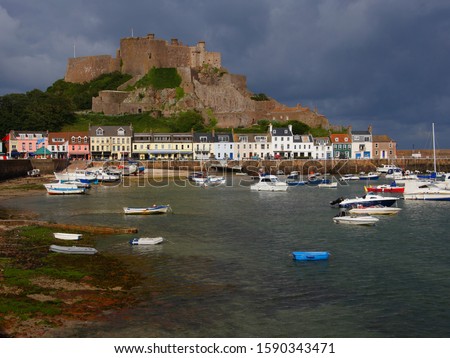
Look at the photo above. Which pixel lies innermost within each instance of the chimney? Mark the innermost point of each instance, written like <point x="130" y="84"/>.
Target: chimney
<point x="174" y="42"/>
<point x="370" y="129"/>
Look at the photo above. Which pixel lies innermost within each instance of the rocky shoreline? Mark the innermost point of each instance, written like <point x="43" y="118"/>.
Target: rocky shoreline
<point x="43" y="294"/>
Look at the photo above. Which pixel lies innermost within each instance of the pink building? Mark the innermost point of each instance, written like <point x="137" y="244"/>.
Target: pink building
<point x="23" y="144"/>
<point x="73" y="145"/>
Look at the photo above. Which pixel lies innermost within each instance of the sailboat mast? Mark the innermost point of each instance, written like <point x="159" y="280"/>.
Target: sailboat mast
<point x="434" y="150"/>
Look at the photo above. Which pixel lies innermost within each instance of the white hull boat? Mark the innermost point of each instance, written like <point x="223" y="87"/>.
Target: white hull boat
<point x="366" y="200"/>
<point x="417" y="190"/>
<point x="269" y="183"/>
<point x="67" y="236"/>
<point x="63" y="189"/>
<point x="375" y="210"/>
<point x="81" y="175"/>
<point x="332" y="185"/>
<point x="146" y="241"/>
<point x="356" y="220"/>
<point x="74" y="250"/>
<point x="155" y="209"/>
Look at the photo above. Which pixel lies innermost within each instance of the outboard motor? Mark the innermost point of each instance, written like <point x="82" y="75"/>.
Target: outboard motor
<point x="337" y="201"/>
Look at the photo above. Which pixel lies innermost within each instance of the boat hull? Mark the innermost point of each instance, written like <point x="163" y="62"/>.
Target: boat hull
<point x="369" y="221"/>
<point x="375" y="211"/>
<point x="310" y="255"/>
<point x="73" y="250"/>
<point x="146" y="241"/>
<point x="66" y="236"/>
<point x="153" y="210"/>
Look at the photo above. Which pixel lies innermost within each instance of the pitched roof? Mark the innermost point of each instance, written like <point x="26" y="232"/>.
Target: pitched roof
<point x="381" y="138"/>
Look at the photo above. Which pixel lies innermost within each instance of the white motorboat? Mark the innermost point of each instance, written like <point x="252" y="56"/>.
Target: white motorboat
<point x="77" y="250"/>
<point x="67" y="236"/>
<point x="81" y="175"/>
<point x="213" y="180"/>
<point x="146" y="240"/>
<point x="269" y="183"/>
<point x="384" y="169"/>
<point x="374" y="210"/>
<point x="331" y="185"/>
<point x="63" y="189"/>
<point x="349" y="177"/>
<point x="366" y="200"/>
<point x="425" y="190"/>
<point x="345" y="218"/>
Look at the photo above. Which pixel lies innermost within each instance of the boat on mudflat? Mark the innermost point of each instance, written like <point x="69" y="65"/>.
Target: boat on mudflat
<point x="155" y="209"/>
<point x="67" y="236"/>
<point x="63" y="189"/>
<point x="74" y="250"/>
<point x="146" y="240"/>
<point x="310" y="255"/>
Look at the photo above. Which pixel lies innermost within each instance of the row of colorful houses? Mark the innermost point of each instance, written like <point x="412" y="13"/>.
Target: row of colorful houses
<point x="121" y="143"/>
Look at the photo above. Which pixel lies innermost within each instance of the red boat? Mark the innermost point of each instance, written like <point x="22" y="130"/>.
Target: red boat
<point x="385" y="188"/>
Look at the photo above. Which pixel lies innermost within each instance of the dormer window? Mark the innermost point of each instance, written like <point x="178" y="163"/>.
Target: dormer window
<point x="72" y="139"/>
<point x="99" y="131"/>
<point x="345" y="139"/>
<point x="337" y="139"/>
<point x="120" y="131"/>
<point x="85" y="139"/>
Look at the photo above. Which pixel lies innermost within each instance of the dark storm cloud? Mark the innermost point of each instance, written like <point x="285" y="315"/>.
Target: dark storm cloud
<point x="358" y="62"/>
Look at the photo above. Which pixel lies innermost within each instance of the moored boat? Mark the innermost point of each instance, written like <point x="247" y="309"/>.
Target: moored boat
<point x="345" y="218"/>
<point x="155" y="209"/>
<point x="374" y="210"/>
<point x="418" y="190"/>
<point x="369" y="176"/>
<point x="269" y="183"/>
<point x="77" y="250"/>
<point x="63" y="189"/>
<point x="146" y="240"/>
<point x="349" y="177"/>
<point x="81" y="175"/>
<point x="67" y="236"/>
<point x="310" y="255"/>
<point x="385" y="188"/>
<point x="366" y="200"/>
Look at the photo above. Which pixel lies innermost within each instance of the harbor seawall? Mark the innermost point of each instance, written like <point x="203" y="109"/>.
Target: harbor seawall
<point x="16" y="168"/>
<point x="10" y="169"/>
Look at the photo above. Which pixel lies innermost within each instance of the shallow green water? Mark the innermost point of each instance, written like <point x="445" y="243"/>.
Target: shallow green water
<point x="225" y="269"/>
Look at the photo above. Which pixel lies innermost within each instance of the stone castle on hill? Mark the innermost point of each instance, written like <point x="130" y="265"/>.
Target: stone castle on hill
<point x="207" y="86"/>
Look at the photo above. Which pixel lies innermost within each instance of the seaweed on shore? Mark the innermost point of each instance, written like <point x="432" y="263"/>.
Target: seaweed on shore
<point x="41" y="290"/>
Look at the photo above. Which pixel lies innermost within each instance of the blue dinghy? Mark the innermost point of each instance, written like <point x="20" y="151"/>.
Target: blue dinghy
<point x="310" y="255"/>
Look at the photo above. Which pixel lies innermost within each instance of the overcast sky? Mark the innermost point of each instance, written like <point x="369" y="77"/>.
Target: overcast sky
<point x="359" y="62"/>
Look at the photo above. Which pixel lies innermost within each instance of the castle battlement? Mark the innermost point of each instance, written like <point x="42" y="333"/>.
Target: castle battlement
<point x="137" y="55"/>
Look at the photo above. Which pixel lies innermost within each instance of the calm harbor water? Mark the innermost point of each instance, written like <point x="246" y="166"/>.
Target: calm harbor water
<point x="225" y="269"/>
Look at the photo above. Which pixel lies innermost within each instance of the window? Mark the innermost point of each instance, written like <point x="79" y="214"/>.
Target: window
<point x="99" y="132"/>
<point x="345" y="139"/>
<point x="120" y="131"/>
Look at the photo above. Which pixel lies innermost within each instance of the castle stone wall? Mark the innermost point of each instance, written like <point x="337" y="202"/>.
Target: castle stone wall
<point x="85" y="69"/>
<point x="109" y="102"/>
<point x="137" y="55"/>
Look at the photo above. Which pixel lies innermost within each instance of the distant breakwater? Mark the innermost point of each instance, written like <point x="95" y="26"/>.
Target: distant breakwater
<point x="10" y="169"/>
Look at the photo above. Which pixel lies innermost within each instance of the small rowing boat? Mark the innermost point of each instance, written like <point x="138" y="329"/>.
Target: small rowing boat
<point x="73" y="250"/>
<point x="310" y="255"/>
<point x="155" y="209"/>
<point x="146" y="241"/>
<point x="66" y="236"/>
